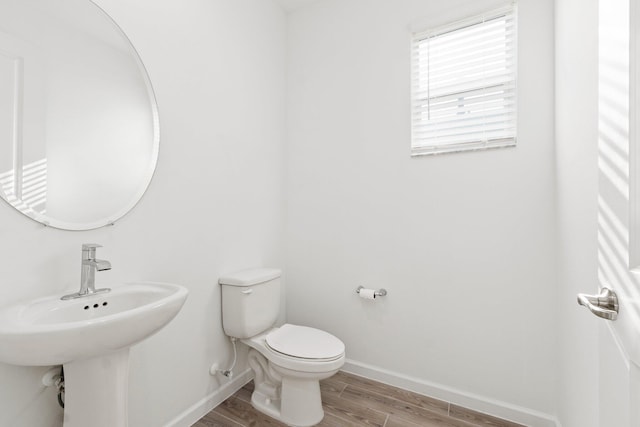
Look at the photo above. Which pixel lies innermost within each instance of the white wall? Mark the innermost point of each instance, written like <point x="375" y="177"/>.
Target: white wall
<point x="464" y="243"/>
<point x="577" y="183"/>
<point x="214" y="206"/>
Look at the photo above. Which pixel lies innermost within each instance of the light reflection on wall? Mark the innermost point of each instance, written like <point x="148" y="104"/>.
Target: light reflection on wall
<point x="31" y="196"/>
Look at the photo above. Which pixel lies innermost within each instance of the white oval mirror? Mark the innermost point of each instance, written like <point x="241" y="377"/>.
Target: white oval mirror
<point x="79" y="130"/>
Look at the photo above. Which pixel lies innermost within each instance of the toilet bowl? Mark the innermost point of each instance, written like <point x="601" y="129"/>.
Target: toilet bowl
<point x="287" y="361"/>
<point x="287" y="377"/>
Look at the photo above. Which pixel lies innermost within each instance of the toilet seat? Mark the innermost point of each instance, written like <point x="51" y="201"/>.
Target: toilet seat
<point x="333" y="361"/>
<point x="303" y="342"/>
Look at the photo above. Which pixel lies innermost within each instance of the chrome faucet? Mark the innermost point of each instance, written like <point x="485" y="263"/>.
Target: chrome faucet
<point x="90" y="264"/>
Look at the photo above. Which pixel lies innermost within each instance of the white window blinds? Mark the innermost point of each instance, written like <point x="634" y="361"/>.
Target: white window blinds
<point x="464" y="85"/>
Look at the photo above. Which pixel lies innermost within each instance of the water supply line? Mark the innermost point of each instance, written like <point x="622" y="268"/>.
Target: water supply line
<point x="59" y="383"/>
<point x="229" y="372"/>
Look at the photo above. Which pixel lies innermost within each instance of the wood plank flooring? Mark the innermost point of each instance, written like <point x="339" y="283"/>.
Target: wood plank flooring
<point x="352" y="401"/>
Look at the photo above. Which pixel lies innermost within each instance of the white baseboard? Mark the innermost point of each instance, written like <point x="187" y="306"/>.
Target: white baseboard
<point x="205" y="405"/>
<point x="471" y="401"/>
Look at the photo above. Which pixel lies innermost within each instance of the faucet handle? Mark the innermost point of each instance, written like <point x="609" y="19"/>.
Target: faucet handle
<point x="90" y="246"/>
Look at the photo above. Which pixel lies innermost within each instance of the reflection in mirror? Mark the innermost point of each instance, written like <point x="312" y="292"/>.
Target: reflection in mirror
<point x="78" y="119"/>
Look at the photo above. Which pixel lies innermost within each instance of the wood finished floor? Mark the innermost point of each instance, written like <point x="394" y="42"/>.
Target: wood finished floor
<point x="350" y="400"/>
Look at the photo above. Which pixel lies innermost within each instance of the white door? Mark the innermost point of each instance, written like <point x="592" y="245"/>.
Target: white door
<point x="618" y="341"/>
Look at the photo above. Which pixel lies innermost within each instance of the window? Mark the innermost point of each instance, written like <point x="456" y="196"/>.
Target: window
<point x="464" y="85"/>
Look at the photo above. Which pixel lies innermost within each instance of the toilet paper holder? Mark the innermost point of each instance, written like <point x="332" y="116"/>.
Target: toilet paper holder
<point x="378" y="293"/>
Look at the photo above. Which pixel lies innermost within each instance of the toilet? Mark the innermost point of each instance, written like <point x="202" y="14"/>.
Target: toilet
<point x="288" y="361"/>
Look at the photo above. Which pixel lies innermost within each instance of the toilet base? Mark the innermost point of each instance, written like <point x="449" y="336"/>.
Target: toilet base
<point x="300" y="405"/>
<point x="293" y="400"/>
<point x="266" y="404"/>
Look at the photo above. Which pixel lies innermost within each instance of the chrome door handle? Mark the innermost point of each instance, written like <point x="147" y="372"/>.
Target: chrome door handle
<point x="604" y="305"/>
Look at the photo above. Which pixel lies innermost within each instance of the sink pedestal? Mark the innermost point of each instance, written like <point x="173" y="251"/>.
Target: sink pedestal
<point x="96" y="391"/>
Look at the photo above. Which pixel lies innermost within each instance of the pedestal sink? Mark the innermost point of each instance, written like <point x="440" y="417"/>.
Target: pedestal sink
<point x="91" y="337"/>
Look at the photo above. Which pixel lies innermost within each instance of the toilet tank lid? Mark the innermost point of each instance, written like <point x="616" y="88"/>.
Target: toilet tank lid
<point x="250" y="277"/>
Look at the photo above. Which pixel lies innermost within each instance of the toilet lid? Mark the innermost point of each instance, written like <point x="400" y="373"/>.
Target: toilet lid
<point x="305" y="342"/>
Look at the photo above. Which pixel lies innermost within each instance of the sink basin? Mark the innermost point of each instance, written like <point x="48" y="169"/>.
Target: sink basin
<point x="90" y="337"/>
<point x="49" y="331"/>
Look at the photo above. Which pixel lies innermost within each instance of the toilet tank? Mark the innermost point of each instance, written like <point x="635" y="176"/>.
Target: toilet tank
<point x="250" y="301"/>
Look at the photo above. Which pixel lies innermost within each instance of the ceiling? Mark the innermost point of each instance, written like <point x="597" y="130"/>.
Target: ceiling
<point x="291" y="5"/>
